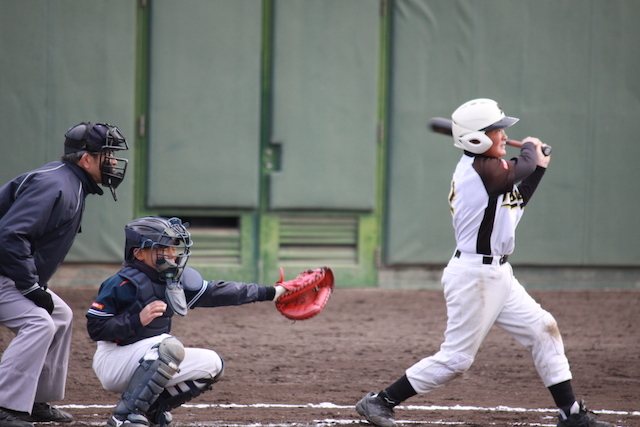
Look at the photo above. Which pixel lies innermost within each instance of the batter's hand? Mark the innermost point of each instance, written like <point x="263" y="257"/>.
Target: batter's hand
<point x="542" y="160"/>
<point x="151" y="311"/>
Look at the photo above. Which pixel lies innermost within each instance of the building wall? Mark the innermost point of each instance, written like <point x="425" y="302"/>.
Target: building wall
<point x="572" y="82"/>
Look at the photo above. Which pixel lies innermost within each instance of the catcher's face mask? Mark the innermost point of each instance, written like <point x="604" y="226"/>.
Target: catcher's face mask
<point x="170" y="265"/>
<point x="169" y="244"/>
<point x="170" y="259"/>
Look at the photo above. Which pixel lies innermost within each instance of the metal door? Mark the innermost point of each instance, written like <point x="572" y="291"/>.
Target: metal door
<point x="261" y="127"/>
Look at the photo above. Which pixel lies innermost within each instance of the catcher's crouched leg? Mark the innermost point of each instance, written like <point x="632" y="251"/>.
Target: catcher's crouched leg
<point x="174" y="396"/>
<point x="146" y="384"/>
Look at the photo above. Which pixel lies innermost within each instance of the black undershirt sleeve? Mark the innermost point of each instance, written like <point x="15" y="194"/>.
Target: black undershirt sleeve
<point x="529" y="185"/>
<point x="525" y="163"/>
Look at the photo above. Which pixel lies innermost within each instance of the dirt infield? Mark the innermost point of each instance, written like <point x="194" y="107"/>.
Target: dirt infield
<point x="363" y="341"/>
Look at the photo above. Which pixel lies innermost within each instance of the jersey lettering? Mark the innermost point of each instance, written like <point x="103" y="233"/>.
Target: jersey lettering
<point x="513" y="200"/>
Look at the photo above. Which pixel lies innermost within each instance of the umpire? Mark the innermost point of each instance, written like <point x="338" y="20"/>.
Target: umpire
<point x="40" y="215"/>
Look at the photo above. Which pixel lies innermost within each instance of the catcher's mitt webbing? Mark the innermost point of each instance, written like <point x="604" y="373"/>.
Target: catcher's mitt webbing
<point x="307" y="294"/>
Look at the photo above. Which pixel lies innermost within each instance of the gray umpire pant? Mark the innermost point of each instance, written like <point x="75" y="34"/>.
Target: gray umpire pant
<point x="34" y="366"/>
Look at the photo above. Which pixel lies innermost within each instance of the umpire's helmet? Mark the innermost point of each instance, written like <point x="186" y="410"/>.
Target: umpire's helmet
<point x="160" y="233"/>
<point x="103" y="139"/>
<point x="472" y="119"/>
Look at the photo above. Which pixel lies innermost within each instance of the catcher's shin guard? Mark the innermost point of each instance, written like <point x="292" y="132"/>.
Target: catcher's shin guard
<point x="174" y="396"/>
<point x="149" y="380"/>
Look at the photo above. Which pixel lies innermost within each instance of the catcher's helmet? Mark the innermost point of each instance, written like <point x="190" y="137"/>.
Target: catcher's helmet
<point x="160" y="233"/>
<point x="104" y="139"/>
<point x="472" y="119"/>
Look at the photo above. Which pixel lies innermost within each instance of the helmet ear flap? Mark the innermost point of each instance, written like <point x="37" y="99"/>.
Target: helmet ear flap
<point x="476" y="142"/>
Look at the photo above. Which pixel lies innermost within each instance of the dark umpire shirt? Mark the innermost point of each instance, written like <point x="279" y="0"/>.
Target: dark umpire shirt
<point x="40" y="215"/>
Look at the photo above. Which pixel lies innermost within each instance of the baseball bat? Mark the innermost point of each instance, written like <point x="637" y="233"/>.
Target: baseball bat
<point x="443" y="126"/>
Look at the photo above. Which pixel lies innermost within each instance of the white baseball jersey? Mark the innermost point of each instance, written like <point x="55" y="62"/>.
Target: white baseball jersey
<point x="486" y="206"/>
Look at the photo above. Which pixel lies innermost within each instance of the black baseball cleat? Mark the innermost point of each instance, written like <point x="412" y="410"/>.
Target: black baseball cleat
<point x="42" y="412"/>
<point x="582" y="419"/>
<point x="8" y="418"/>
<point x="376" y="410"/>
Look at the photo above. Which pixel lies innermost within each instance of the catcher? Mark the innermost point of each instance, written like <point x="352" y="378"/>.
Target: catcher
<point x="131" y="321"/>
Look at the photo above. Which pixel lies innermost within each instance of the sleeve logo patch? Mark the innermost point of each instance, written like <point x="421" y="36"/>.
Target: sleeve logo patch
<point x="97" y="305"/>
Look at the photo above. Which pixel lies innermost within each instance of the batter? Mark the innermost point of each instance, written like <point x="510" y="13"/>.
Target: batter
<point x="487" y="199"/>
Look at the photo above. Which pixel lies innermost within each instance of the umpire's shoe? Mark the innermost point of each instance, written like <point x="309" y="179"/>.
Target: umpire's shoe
<point x="582" y="419"/>
<point x="42" y="412"/>
<point x="376" y="410"/>
<point x="8" y="418"/>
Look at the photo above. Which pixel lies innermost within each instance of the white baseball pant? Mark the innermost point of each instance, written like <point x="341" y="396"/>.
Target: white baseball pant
<point x="114" y="365"/>
<point x="477" y="297"/>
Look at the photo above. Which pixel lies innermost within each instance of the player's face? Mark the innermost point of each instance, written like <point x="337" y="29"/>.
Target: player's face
<point x="499" y="147"/>
<point x="108" y="162"/>
<point x="92" y="164"/>
<point x="151" y="256"/>
<point x="162" y="252"/>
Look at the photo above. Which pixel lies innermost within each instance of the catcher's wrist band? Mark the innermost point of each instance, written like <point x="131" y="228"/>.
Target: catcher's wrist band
<point x="271" y="293"/>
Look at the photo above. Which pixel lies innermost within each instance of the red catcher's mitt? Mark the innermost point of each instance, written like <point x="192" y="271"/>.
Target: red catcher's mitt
<point x="307" y="294"/>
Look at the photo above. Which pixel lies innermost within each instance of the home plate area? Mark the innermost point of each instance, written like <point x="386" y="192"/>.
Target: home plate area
<point x="282" y="373"/>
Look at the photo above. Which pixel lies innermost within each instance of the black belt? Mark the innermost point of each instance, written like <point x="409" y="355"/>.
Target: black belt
<point x="487" y="259"/>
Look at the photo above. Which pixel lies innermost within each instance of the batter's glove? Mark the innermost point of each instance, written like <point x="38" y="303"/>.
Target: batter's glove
<point x="307" y="294"/>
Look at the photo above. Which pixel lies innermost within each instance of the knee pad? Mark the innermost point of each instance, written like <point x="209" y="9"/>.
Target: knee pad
<point x="171" y="351"/>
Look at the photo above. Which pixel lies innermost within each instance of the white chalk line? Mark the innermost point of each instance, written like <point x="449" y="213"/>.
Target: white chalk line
<point x="329" y="422"/>
<point x="329" y="405"/>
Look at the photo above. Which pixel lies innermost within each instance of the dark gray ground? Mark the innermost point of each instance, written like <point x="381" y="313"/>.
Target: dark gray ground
<point x="364" y="340"/>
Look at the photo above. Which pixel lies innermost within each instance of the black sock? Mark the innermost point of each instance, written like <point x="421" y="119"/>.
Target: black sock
<point x="398" y="392"/>
<point x="563" y="396"/>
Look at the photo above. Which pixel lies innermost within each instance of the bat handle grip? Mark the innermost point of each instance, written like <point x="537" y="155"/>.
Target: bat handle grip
<point x="546" y="149"/>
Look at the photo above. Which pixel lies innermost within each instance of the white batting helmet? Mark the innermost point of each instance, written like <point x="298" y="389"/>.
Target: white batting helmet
<point x="472" y="119"/>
